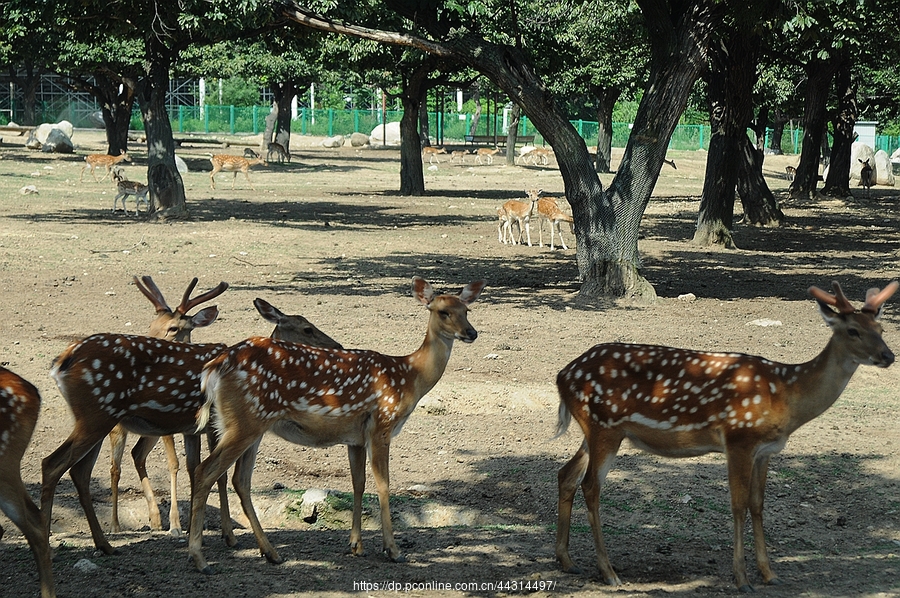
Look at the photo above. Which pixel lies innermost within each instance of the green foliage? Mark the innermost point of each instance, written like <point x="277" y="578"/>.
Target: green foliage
<point x="236" y="91"/>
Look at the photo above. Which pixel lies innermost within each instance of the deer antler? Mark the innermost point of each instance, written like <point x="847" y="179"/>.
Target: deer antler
<point x="188" y="304"/>
<point x="875" y="297"/>
<point x="152" y="292"/>
<point x="838" y="300"/>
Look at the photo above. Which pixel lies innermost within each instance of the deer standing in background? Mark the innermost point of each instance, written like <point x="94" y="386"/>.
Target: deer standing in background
<point x="548" y="211"/>
<point x="790" y="172"/>
<point x="486" y="154"/>
<point x="521" y="213"/>
<point x="102" y="160"/>
<point x="682" y="403"/>
<point x="432" y="153"/>
<point x="235" y="164"/>
<point x="280" y="152"/>
<point x="20" y="404"/>
<point x="322" y="397"/>
<point x="866" y="176"/>
<point x="124" y="188"/>
<point x="171" y="325"/>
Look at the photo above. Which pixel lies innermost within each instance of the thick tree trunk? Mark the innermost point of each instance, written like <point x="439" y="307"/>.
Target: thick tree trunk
<point x="732" y="162"/>
<point x="606" y="101"/>
<point x="819" y="76"/>
<point x="116" y="102"/>
<point x="837" y="183"/>
<point x="760" y="206"/>
<point x="166" y="186"/>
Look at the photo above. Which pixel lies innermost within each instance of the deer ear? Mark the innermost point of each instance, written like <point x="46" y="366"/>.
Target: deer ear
<point x="830" y="316"/>
<point x="472" y="291"/>
<point x="422" y="291"/>
<point x="205" y="317"/>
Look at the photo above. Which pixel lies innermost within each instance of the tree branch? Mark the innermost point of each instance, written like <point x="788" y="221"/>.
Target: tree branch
<point x="296" y="13"/>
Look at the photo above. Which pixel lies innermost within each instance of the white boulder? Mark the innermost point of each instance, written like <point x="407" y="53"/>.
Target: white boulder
<point x="386" y="134"/>
<point x="336" y="141"/>
<point x="883" y="172"/>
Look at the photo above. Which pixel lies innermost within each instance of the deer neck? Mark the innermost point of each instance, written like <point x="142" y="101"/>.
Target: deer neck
<point x="817" y="384"/>
<point x="430" y="360"/>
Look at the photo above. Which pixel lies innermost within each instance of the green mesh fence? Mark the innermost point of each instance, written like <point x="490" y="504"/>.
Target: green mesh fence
<point x="450" y="128"/>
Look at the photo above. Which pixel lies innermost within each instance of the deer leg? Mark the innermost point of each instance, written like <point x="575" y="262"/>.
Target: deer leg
<point x="528" y="231"/>
<point x="380" y="448"/>
<point x="192" y="453"/>
<point x="757" y="497"/>
<point x="212" y="180"/>
<point x="172" y="462"/>
<point x="357" y="455"/>
<point x="77" y="445"/>
<point x="561" y="240"/>
<point x="739" y="480"/>
<point x="603" y="448"/>
<point x="139" y="454"/>
<point x="249" y="182"/>
<point x="569" y="478"/>
<point x="80" y="473"/>
<point x="231" y="446"/>
<point x="17" y="505"/>
<point x="222" y="486"/>
<point x="243" y="473"/>
<point x="117" y="438"/>
<point x="233" y="179"/>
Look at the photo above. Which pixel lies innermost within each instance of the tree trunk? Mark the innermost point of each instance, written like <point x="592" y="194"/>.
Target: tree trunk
<point x="476" y="97"/>
<point x="284" y="94"/>
<point x="606" y="102"/>
<point x="837" y="184"/>
<point x="414" y="92"/>
<point x="515" y="115"/>
<point x="166" y="186"/>
<point x="732" y="161"/>
<point x="777" y="132"/>
<point x="29" y="85"/>
<point x="760" y="206"/>
<point x="819" y="76"/>
<point x="424" y="125"/>
<point x="759" y="127"/>
<point x="116" y="102"/>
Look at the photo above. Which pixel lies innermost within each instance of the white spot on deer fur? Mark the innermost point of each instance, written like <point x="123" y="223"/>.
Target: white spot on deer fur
<point x="772" y="387"/>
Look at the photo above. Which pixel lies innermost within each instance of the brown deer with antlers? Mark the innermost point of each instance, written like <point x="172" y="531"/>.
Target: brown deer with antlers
<point x="682" y="403"/>
<point x="149" y="385"/>
<point x="20" y="404"/>
<point x="322" y="397"/>
<point x="172" y="325"/>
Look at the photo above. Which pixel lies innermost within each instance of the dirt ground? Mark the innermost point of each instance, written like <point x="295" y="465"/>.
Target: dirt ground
<point x="473" y="473"/>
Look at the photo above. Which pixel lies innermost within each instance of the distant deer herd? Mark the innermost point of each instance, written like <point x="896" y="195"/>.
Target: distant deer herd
<point x="305" y="387"/>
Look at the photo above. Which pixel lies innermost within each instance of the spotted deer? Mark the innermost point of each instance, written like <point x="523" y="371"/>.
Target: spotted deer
<point x="151" y="386"/>
<point x="540" y="155"/>
<point x="548" y="211"/>
<point x="234" y="164"/>
<point x="20" y="404"/>
<point x="459" y="155"/>
<point x="102" y="160"/>
<point x="519" y="212"/>
<point x="483" y="153"/>
<point x="790" y="172"/>
<point x="682" y="403"/>
<point x="124" y="188"/>
<point x="172" y="325"/>
<point x="322" y="397"/>
<point x="280" y="152"/>
<point x="432" y="154"/>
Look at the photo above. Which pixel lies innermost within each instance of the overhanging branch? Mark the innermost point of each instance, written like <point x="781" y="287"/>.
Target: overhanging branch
<point x="306" y="18"/>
